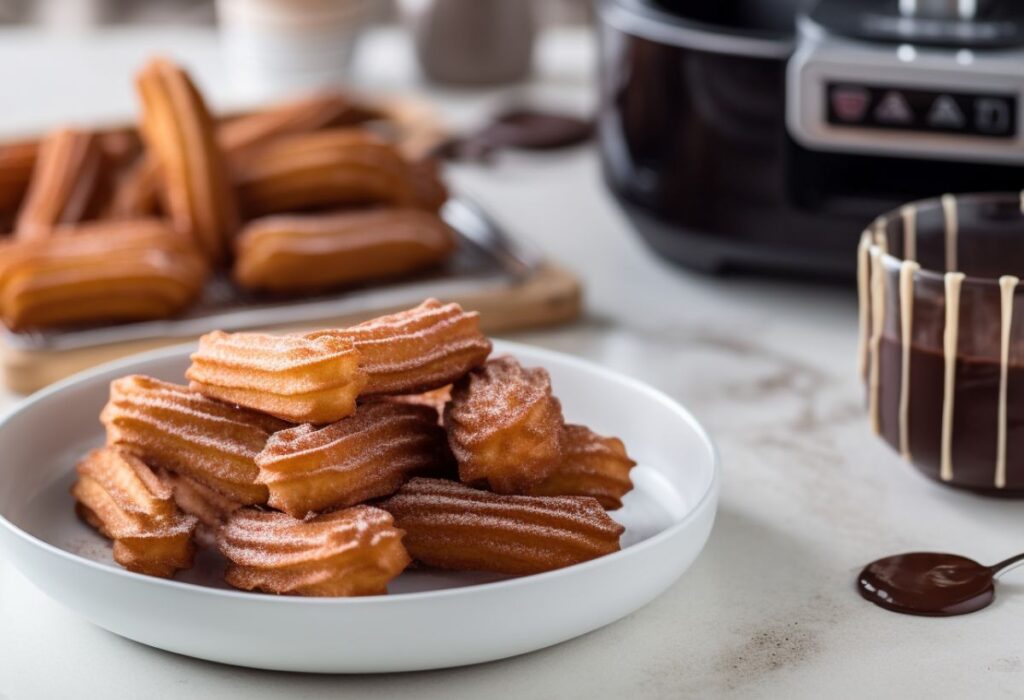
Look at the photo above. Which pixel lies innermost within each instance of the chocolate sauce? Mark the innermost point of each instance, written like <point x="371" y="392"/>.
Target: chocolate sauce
<point x="927" y="583"/>
<point x="931" y="583"/>
<point x="975" y="418"/>
<point x="522" y="129"/>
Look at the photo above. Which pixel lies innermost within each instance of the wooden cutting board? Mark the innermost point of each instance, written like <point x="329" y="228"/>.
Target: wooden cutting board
<point x="549" y="295"/>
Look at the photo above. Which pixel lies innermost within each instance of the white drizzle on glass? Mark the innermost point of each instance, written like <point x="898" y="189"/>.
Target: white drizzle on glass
<point x="871" y="285"/>
<point x="907" y="271"/>
<point x="953" y="282"/>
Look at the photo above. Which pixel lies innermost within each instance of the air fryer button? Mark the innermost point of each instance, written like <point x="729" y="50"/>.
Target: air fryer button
<point x="992" y="116"/>
<point x="850" y="104"/>
<point x="894" y="110"/>
<point x="946" y="114"/>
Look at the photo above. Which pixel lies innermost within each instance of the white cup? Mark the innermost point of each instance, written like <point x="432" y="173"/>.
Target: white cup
<point x="274" y="48"/>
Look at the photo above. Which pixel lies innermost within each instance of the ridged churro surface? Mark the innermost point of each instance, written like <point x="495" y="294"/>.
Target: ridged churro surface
<point x="452" y="526"/>
<point x="325" y="169"/>
<point x="592" y="465"/>
<point x="365" y="456"/>
<point x="99" y="272"/>
<point x="180" y="134"/>
<point x="209" y="506"/>
<point x="182" y="431"/>
<point x="504" y="426"/>
<point x="244" y="136"/>
<point x="311" y="252"/>
<point x="417" y="350"/>
<point x="119" y="495"/>
<point x="350" y="552"/>
<point x="299" y="378"/>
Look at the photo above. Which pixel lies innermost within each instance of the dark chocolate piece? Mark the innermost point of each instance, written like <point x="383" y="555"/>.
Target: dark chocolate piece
<point x="518" y="129"/>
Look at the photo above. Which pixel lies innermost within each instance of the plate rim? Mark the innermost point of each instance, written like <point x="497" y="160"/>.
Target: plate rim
<point x="501" y="346"/>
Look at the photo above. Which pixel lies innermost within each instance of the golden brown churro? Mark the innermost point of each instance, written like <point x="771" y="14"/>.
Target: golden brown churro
<point x="332" y="168"/>
<point x="592" y="465"/>
<point x="17" y="160"/>
<point x="137" y="192"/>
<point x="351" y="552"/>
<point x="302" y="253"/>
<point x="451" y="526"/>
<point x="99" y="272"/>
<point x="67" y="181"/>
<point x="367" y="455"/>
<point x="302" y="379"/>
<point x="180" y="134"/>
<point x="181" y="431"/>
<point x="243" y="136"/>
<point x="208" y="505"/>
<point x="504" y="426"/>
<point x="416" y="350"/>
<point x="121" y="497"/>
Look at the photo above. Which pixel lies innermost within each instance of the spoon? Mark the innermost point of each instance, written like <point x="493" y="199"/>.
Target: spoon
<point x="932" y="583"/>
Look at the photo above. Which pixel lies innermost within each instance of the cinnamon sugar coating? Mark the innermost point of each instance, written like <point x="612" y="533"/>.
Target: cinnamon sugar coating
<point x="435" y="399"/>
<point x="504" y="426"/>
<point x="209" y="506"/>
<point x="179" y="430"/>
<point x="311" y="252"/>
<point x="312" y="378"/>
<point x="417" y="350"/>
<point x="451" y="526"/>
<point x="592" y="465"/>
<point x="367" y="455"/>
<point x="394" y="411"/>
<point x="119" y="495"/>
<point x="351" y="552"/>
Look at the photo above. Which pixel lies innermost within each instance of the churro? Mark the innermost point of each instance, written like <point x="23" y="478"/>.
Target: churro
<point x="351" y="552"/>
<point x="299" y="378"/>
<point x="504" y="426"/>
<point x="185" y="432"/>
<point x="364" y="456"/>
<point x="451" y="526"/>
<point x="119" y="495"/>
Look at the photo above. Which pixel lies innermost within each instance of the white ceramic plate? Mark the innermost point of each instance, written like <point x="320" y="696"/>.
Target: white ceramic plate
<point x="430" y="619"/>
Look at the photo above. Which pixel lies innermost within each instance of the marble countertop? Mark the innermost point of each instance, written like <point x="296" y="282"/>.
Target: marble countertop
<point x="809" y="496"/>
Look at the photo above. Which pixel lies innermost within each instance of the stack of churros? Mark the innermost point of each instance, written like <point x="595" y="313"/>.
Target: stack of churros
<point x="324" y="463"/>
<point x="304" y="197"/>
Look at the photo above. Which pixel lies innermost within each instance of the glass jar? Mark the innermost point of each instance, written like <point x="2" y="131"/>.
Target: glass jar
<point x="942" y="337"/>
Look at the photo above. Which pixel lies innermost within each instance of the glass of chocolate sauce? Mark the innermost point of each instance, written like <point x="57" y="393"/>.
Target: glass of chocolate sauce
<point x="942" y="337"/>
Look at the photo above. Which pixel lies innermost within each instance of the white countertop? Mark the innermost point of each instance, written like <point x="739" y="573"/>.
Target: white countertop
<point x="809" y="496"/>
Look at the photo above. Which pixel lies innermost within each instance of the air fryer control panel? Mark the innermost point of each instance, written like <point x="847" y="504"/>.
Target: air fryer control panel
<point x="990" y="115"/>
<point x="899" y="100"/>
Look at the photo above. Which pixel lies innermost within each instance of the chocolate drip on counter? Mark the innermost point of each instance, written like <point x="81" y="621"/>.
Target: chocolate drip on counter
<point x="931" y="583"/>
<point x="518" y="129"/>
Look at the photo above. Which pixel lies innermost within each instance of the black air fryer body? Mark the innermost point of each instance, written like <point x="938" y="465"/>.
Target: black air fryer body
<point x="695" y="143"/>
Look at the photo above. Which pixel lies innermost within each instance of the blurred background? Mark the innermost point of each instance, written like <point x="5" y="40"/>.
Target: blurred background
<point x="82" y="15"/>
